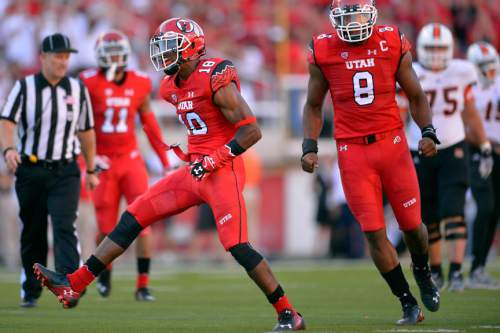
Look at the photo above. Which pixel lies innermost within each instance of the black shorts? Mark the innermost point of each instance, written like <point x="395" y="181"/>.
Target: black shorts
<point x="443" y="181"/>
<point x="206" y="219"/>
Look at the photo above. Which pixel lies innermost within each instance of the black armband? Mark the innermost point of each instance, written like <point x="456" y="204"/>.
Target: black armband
<point x="430" y="132"/>
<point x="309" y="146"/>
<point x="235" y="148"/>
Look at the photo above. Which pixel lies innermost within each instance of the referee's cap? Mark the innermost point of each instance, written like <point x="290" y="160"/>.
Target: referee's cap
<point x="57" y="43"/>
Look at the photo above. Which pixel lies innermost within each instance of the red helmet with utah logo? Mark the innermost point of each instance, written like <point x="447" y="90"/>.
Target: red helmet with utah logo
<point x="176" y="41"/>
<point x="353" y="19"/>
<point x="112" y="48"/>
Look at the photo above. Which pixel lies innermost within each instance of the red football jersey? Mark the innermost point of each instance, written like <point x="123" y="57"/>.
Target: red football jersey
<point x="207" y="127"/>
<point x="115" y="107"/>
<point x="362" y="79"/>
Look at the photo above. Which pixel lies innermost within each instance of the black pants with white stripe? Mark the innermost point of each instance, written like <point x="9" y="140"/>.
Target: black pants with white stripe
<point x="41" y="193"/>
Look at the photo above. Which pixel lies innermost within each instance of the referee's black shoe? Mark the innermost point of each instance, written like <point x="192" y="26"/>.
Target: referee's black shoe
<point x="429" y="293"/>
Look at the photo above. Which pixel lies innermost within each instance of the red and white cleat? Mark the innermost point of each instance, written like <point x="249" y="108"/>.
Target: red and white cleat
<point x="58" y="284"/>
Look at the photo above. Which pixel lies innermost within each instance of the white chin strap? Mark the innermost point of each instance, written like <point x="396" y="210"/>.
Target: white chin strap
<point x="111" y="71"/>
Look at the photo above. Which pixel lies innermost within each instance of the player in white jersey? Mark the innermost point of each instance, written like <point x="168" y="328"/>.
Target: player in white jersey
<point x="486" y="190"/>
<point x="443" y="179"/>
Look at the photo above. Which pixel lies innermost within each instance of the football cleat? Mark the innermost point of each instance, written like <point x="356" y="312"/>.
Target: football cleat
<point x="456" y="282"/>
<point x="412" y="314"/>
<point x="289" y="321"/>
<point x="104" y="283"/>
<point x="144" y="294"/>
<point x="479" y="279"/>
<point x="58" y="284"/>
<point x="429" y="293"/>
<point x="28" y="302"/>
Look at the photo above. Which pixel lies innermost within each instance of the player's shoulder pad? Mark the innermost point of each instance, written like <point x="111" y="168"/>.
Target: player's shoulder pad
<point x="223" y="74"/>
<point x="138" y="73"/>
<point x="88" y="73"/>
<point x="464" y="68"/>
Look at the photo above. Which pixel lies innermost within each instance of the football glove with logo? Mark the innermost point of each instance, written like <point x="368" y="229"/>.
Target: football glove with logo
<point x="220" y="157"/>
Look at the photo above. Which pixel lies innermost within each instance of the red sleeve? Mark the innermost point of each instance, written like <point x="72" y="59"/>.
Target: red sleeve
<point x="153" y="132"/>
<point x="223" y="74"/>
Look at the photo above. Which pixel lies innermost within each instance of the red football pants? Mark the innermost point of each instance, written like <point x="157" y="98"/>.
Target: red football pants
<point x="368" y="169"/>
<point x="221" y="190"/>
<point x="126" y="176"/>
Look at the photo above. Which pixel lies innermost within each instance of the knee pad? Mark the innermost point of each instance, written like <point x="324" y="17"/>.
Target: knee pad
<point x="126" y="231"/>
<point x="434" y="231"/>
<point x="246" y="256"/>
<point x="455" y="228"/>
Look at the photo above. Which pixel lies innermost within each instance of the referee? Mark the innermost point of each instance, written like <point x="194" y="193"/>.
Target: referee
<point x="53" y="116"/>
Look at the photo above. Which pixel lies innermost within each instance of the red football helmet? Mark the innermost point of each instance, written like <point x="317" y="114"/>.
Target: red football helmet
<point x="112" y="48"/>
<point x="177" y="40"/>
<point x="353" y="19"/>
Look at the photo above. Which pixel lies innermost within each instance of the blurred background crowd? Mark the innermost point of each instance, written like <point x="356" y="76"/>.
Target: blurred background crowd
<point x="267" y="40"/>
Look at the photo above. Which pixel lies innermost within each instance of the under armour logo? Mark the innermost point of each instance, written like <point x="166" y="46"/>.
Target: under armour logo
<point x="286" y="326"/>
<point x="370" y="52"/>
<point x="343" y="148"/>
<point x="69" y="292"/>
<point x="397" y="139"/>
<point x="198" y="170"/>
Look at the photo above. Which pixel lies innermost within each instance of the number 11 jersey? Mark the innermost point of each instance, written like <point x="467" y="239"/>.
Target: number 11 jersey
<point x="115" y="108"/>
<point x="362" y="80"/>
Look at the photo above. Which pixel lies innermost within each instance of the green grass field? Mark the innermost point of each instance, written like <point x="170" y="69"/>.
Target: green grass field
<point x="332" y="296"/>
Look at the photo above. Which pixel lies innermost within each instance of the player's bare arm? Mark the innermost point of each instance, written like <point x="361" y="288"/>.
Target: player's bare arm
<point x="87" y="140"/>
<point x="419" y="106"/>
<point x="236" y="110"/>
<point x="476" y="135"/>
<point x="473" y="123"/>
<point x="232" y="105"/>
<point x="10" y="154"/>
<point x="313" y="118"/>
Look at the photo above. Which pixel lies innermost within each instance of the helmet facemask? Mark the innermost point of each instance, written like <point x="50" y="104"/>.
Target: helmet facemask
<point x="166" y="51"/>
<point x="112" y="55"/>
<point x="353" y="23"/>
<point x="489" y="70"/>
<point x="435" y="57"/>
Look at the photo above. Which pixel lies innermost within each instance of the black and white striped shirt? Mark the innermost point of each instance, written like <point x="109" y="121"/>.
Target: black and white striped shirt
<point x="49" y="117"/>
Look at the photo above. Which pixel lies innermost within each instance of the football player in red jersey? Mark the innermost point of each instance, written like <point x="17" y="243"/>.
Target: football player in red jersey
<point x="360" y="64"/>
<point x="221" y="126"/>
<point x="118" y="94"/>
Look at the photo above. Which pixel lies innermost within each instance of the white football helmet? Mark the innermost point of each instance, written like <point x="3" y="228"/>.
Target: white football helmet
<point x="353" y="20"/>
<point x="486" y="59"/>
<point x="435" y="46"/>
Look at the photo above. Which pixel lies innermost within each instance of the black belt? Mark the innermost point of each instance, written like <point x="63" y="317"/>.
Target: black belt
<point x="47" y="164"/>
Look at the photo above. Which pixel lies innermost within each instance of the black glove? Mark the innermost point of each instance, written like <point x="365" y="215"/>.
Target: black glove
<point x="430" y="132"/>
